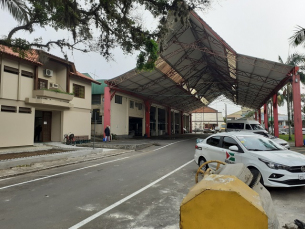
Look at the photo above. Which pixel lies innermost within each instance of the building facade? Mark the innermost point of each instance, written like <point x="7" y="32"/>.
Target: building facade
<point x="42" y="97"/>
<point x="206" y="117"/>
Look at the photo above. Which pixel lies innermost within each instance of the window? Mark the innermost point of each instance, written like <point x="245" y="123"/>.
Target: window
<point x="131" y="104"/>
<point x="11" y="70"/>
<point x="213" y="141"/>
<point x="79" y="91"/>
<point x="42" y="84"/>
<point x="26" y="110"/>
<point x="96" y="116"/>
<point x="227" y="142"/>
<point x="96" y="99"/>
<point x="27" y="74"/>
<point x="8" y="109"/>
<point x="138" y="105"/>
<point x="248" y="127"/>
<point x="118" y="99"/>
<point x="239" y="126"/>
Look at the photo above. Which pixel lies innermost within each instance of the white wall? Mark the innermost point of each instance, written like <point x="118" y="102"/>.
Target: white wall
<point x="17" y="129"/>
<point x="120" y="114"/>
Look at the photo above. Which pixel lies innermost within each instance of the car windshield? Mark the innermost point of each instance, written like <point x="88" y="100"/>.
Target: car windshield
<point x="223" y="125"/>
<point x="257" y="143"/>
<point x="256" y="127"/>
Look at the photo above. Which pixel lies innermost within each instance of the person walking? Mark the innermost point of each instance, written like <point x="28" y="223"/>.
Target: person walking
<point x="107" y="133"/>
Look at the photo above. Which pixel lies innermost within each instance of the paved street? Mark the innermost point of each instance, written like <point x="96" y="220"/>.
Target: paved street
<point x="142" y="189"/>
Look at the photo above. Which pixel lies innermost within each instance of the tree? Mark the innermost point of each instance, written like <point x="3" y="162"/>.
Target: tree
<point x="295" y="60"/>
<point x="96" y="25"/>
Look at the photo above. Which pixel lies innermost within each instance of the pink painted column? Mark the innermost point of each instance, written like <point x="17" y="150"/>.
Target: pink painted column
<point x="266" y="117"/>
<point x="275" y="116"/>
<point x="191" y="128"/>
<point x="107" y="107"/>
<point x="259" y="116"/>
<point x="147" y="118"/>
<point x="255" y="115"/>
<point x="181" y="123"/>
<point x="298" y="136"/>
<point x="169" y="121"/>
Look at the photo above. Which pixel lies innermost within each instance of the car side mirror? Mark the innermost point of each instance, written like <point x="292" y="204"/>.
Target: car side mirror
<point x="233" y="148"/>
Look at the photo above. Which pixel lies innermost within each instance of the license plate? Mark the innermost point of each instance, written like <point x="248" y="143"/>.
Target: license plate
<point x="302" y="177"/>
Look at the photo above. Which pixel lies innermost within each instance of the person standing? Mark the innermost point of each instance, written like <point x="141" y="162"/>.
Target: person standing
<point x="107" y="133"/>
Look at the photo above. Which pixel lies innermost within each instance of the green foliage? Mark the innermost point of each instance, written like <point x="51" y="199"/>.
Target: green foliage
<point x="97" y="25"/>
<point x="58" y="91"/>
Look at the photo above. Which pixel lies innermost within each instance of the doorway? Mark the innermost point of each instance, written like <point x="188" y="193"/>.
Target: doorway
<point x="135" y="126"/>
<point x="43" y="124"/>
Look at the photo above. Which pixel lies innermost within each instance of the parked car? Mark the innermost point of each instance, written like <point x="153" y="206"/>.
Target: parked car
<point x="207" y="130"/>
<point x="283" y="132"/>
<point x="244" y="125"/>
<point x="275" y="139"/>
<point x="303" y="130"/>
<point x="197" y="130"/>
<point x="278" y="166"/>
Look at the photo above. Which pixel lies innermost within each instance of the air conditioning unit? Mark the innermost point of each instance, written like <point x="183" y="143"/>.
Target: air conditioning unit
<point x="48" y="72"/>
<point x="55" y="85"/>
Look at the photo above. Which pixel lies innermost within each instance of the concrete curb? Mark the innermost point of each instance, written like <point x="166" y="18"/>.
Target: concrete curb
<point x="45" y="158"/>
<point x="77" y="160"/>
<point x="120" y="146"/>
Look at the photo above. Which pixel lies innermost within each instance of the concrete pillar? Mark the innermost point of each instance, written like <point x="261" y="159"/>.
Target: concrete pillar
<point x="297" y="109"/>
<point x="275" y="116"/>
<point x="147" y="118"/>
<point x="266" y="117"/>
<point x="259" y="116"/>
<point x="169" y="121"/>
<point x="107" y="108"/>
<point x="181" y="122"/>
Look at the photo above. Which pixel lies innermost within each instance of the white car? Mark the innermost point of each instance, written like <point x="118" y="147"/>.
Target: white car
<point x="275" y="139"/>
<point x="278" y="166"/>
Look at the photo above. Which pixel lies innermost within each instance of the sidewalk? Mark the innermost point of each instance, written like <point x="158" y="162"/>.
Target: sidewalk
<point x="65" y="155"/>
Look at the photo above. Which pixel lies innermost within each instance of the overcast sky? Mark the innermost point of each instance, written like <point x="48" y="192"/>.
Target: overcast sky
<point x="256" y="28"/>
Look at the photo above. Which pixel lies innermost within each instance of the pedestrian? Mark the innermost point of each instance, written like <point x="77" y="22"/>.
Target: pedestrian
<point x="107" y="133"/>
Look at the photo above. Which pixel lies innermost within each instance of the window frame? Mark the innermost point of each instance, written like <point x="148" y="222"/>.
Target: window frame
<point x="27" y="74"/>
<point x="9" y="109"/>
<point x="42" y="81"/>
<point x="240" y="150"/>
<point x="118" y="99"/>
<point x="131" y="104"/>
<point x="25" y="110"/>
<point x="78" y="93"/>
<point x="99" y="100"/>
<point x="219" y="145"/>
<point x="11" y="70"/>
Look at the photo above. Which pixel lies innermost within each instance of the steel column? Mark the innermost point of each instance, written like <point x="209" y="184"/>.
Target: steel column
<point x="275" y="116"/>
<point x="255" y="115"/>
<point x="298" y="136"/>
<point x="169" y="121"/>
<point x="147" y="118"/>
<point x="191" y="127"/>
<point x="107" y="107"/>
<point x="259" y="116"/>
<point x="181" y="122"/>
<point x="266" y="117"/>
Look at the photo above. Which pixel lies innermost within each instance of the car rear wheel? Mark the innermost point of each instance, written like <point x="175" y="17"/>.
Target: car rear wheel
<point x="201" y="161"/>
<point x="257" y="177"/>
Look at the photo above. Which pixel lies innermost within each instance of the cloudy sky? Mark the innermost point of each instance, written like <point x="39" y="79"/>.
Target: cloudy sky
<point x="256" y="28"/>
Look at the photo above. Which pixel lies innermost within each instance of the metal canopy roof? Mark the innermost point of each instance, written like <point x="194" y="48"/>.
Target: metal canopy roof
<point x="196" y="66"/>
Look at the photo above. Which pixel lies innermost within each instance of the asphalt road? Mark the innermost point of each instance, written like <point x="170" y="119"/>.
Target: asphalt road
<point x="139" y="190"/>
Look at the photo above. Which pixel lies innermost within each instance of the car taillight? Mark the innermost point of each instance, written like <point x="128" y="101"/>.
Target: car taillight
<point x="197" y="147"/>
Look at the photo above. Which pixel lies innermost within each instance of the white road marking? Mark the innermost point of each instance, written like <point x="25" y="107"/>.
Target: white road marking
<point x="167" y="145"/>
<point x="89" y="219"/>
<point x="58" y="174"/>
